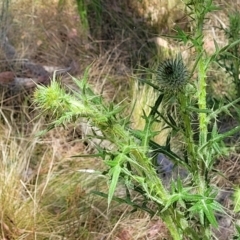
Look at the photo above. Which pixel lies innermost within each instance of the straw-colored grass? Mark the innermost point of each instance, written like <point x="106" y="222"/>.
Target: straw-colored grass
<point x="45" y="192"/>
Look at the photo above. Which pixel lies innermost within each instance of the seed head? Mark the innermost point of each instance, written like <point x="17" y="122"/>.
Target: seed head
<point x="172" y="74"/>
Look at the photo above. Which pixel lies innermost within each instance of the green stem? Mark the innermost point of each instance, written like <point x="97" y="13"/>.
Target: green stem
<point x="202" y="93"/>
<point x="202" y="102"/>
<point x="171" y="226"/>
<point x="203" y="131"/>
<point x="236" y="72"/>
<point x="188" y="132"/>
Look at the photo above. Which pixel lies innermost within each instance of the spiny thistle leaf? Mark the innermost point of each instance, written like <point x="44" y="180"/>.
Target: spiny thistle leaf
<point x="115" y="176"/>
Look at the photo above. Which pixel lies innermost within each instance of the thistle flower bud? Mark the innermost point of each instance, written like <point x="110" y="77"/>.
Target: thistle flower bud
<point x="172" y="74"/>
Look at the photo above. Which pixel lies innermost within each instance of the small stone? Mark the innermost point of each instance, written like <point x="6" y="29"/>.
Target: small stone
<point x="6" y="77"/>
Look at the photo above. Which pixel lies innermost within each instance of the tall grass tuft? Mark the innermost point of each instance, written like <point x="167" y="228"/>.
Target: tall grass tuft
<point x="21" y="214"/>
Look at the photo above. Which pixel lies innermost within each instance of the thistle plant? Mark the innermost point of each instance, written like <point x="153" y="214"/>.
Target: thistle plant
<point x="189" y="206"/>
<point x="128" y="151"/>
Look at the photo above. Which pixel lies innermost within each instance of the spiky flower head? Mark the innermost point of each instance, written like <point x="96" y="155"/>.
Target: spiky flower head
<point x="172" y="74"/>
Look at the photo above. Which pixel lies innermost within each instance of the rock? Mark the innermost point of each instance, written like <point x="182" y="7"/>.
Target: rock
<point x="6" y="78"/>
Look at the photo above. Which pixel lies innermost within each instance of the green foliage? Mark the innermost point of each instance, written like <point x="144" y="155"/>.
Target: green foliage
<point x="84" y="7"/>
<point x="237" y="237"/>
<point x="128" y="161"/>
<point x="229" y="59"/>
<point x="82" y="11"/>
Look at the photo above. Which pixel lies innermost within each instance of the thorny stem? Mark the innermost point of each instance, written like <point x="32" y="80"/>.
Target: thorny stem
<point x="201" y="68"/>
<point x="236" y="72"/>
<point x="188" y="133"/>
<point x="203" y="131"/>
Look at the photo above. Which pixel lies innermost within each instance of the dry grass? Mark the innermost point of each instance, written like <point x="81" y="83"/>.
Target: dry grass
<point x="21" y="217"/>
<point x="45" y="193"/>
